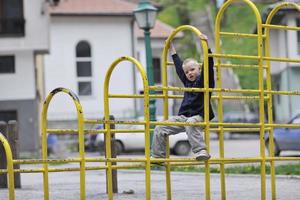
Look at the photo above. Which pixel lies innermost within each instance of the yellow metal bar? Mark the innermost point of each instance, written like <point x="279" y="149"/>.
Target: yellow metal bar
<point x="146" y="124"/>
<point x="165" y="96"/>
<point x="260" y="72"/>
<point x="10" y="167"/>
<point x="220" y="102"/>
<point x="270" y="26"/>
<point x="225" y="65"/>
<point x="233" y="34"/>
<point x="41" y="161"/>
<point x="134" y="96"/>
<point x="267" y="27"/>
<point x="249" y="57"/>
<point x="213" y="97"/>
<point x="80" y="124"/>
<point x="283" y="92"/>
<point x="281" y="59"/>
<point x="182" y="89"/>
<point x="206" y="97"/>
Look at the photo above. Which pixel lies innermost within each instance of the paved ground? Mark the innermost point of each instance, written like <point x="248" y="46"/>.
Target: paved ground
<point x="185" y="186"/>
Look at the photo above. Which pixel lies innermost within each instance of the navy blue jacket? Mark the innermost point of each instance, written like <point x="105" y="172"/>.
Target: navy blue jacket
<point x="193" y="102"/>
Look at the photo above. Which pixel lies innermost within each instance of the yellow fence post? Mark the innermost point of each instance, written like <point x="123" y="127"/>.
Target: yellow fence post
<point x="10" y="167"/>
<point x="261" y="88"/>
<point x="80" y="124"/>
<point x="206" y="101"/>
<point x="267" y="26"/>
<point x="146" y="118"/>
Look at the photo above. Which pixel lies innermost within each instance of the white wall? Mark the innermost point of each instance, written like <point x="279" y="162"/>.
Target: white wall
<point x="110" y="38"/>
<point x="21" y="84"/>
<point x="36" y="31"/>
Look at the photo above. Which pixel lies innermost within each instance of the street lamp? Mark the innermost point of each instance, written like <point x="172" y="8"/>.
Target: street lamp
<point x="145" y="15"/>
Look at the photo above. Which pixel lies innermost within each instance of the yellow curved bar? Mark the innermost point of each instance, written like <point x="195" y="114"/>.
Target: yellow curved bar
<point x="278" y="7"/>
<point x="80" y="124"/>
<point x="206" y="100"/>
<point x="219" y="85"/>
<point x="146" y="118"/>
<point x="269" y="87"/>
<point x="10" y="167"/>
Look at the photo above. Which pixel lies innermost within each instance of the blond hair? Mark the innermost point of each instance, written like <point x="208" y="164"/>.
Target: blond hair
<point x="190" y="61"/>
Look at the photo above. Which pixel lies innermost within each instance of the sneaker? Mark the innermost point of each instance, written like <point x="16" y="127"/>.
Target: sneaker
<point x="202" y="155"/>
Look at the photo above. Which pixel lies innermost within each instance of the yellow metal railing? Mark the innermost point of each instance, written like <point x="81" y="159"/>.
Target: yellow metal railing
<point x="10" y="167"/>
<point x="262" y="95"/>
<point x="267" y="26"/>
<point x="165" y="88"/>
<point x="146" y="122"/>
<point x="80" y="132"/>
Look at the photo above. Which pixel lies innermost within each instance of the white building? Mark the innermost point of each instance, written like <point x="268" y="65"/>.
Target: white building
<point x="86" y="37"/>
<point x="23" y="37"/>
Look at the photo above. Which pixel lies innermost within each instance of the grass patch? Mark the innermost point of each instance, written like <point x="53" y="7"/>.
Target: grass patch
<point x="290" y="169"/>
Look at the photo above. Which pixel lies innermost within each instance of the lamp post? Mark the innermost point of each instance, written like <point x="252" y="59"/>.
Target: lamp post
<point x="145" y="15"/>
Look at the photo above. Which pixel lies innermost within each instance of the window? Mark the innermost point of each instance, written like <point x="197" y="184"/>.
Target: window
<point x="84" y="88"/>
<point x="156" y="71"/>
<point x="7" y="64"/>
<point x="298" y="34"/>
<point x="8" y="115"/>
<point x="12" y="22"/>
<point x="84" y="68"/>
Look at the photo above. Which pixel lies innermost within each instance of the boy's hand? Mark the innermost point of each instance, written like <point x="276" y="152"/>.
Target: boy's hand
<point x="172" y="49"/>
<point x="203" y="37"/>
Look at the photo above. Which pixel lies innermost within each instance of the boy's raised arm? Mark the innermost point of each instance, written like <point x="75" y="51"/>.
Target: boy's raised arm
<point x="178" y="63"/>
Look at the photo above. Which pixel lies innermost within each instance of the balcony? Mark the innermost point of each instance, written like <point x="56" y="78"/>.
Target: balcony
<point x="12" y="27"/>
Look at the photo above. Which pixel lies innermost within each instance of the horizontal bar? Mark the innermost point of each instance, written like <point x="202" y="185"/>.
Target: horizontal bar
<point x="183" y="89"/>
<point x="177" y="161"/>
<point x="256" y="57"/>
<point x="282" y="59"/>
<point x="181" y="96"/>
<point x="41" y="161"/>
<point x="246" y="35"/>
<point x="282" y="92"/>
<point x="225" y="65"/>
<point x="271" y="26"/>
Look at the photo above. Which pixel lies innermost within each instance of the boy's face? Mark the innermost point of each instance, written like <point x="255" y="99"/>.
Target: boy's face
<point x="191" y="71"/>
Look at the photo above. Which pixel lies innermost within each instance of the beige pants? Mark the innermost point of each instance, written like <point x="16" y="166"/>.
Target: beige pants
<point x="194" y="133"/>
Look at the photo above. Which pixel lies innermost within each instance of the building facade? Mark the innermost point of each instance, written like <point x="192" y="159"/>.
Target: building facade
<point x="23" y="37"/>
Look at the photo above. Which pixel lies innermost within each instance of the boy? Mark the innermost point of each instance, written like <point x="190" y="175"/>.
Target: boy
<point x="191" y="109"/>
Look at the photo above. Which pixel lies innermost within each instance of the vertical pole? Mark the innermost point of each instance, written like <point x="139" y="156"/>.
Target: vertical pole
<point x="152" y="108"/>
<point x="13" y="139"/>
<point x="113" y="155"/>
<point x="3" y="162"/>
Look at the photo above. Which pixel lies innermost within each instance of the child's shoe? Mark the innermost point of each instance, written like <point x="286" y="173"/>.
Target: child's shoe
<point x="202" y="155"/>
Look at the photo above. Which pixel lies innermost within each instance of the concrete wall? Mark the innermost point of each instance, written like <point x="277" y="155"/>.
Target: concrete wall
<point x="28" y="123"/>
